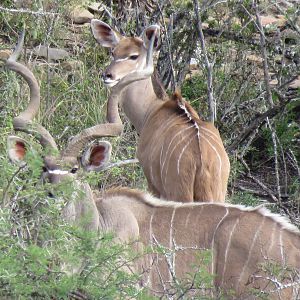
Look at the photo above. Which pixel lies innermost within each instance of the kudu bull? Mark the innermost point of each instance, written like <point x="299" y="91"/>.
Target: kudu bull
<point x="242" y="240"/>
<point x="182" y="156"/>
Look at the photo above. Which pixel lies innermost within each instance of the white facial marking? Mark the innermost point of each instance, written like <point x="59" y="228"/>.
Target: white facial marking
<point x="111" y="83"/>
<point x="58" y="172"/>
<point x="121" y="59"/>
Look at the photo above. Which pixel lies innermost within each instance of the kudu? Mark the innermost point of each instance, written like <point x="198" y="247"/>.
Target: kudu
<point x="183" y="157"/>
<point x="243" y="241"/>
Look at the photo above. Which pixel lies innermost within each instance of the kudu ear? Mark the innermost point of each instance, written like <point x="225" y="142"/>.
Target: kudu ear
<point x="104" y="34"/>
<point x="96" y="156"/>
<point x="147" y="34"/>
<point x="17" y="148"/>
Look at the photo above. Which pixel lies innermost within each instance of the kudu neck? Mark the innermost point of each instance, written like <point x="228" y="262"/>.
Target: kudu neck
<point x="138" y="99"/>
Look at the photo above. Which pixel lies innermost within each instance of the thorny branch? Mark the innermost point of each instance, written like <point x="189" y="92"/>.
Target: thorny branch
<point x="209" y="65"/>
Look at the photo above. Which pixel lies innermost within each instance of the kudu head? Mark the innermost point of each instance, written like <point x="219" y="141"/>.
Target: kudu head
<point x="58" y="165"/>
<point x="132" y="57"/>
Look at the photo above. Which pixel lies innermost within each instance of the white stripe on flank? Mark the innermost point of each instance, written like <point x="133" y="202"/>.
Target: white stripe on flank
<point x="174" y="148"/>
<point x="150" y="229"/>
<point x="169" y="120"/>
<point x="172" y="243"/>
<point x="58" y="172"/>
<point x="217" y="153"/>
<point x="213" y="240"/>
<point x="250" y="251"/>
<point x="272" y="237"/>
<point x="173" y="138"/>
<point x="171" y="228"/>
<point x="162" y="131"/>
<point x="151" y="242"/>
<point x="227" y="249"/>
<point x="172" y="253"/>
<point x="151" y="173"/>
<point x="181" y="153"/>
<point x="281" y="247"/>
<point x="212" y="135"/>
<point x="188" y="218"/>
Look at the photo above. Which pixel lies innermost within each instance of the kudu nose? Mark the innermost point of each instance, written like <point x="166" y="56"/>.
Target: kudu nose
<point x="107" y="75"/>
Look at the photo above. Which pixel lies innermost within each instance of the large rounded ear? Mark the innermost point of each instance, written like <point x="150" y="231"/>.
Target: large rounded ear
<point x="96" y="156"/>
<point x="147" y="34"/>
<point x="104" y="34"/>
<point x="16" y="148"/>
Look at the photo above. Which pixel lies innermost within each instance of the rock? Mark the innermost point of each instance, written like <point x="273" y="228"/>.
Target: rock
<point x="205" y="25"/>
<point x="95" y="7"/>
<point x="254" y="59"/>
<point x="193" y="64"/>
<point x="80" y="16"/>
<point x="278" y="21"/>
<point x="79" y="28"/>
<point x="51" y="53"/>
<point x="290" y="35"/>
<point x="274" y="82"/>
<point x="295" y="84"/>
<point x="4" y="54"/>
<point x="23" y="4"/>
<point x="72" y="65"/>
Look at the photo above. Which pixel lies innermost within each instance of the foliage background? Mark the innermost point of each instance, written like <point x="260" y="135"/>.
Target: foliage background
<point x="258" y="115"/>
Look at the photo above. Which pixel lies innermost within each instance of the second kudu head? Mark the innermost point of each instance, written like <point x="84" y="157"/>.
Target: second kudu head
<point x="132" y="57"/>
<point x="57" y="164"/>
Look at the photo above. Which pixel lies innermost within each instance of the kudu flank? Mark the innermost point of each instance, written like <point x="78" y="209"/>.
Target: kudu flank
<point x="242" y="240"/>
<point x="182" y="156"/>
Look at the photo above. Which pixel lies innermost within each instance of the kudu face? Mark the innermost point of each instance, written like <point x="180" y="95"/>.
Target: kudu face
<point x="129" y="54"/>
<point x="60" y="165"/>
<point x="59" y="168"/>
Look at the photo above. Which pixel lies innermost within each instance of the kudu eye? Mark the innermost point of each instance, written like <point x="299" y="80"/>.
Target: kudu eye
<point x="74" y="170"/>
<point x="44" y="169"/>
<point x="133" y="57"/>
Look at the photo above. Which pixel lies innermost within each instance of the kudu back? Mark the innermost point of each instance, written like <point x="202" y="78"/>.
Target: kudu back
<point x="183" y="157"/>
<point x="244" y="242"/>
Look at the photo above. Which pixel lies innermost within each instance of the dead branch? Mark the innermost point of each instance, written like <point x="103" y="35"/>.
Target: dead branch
<point x="258" y="182"/>
<point x="256" y="123"/>
<point x="264" y="55"/>
<point x="209" y="65"/>
<point x="26" y="11"/>
<point x="120" y="163"/>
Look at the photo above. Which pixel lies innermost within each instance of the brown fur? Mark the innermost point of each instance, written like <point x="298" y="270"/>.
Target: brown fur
<point x="243" y="241"/>
<point x="180" y="162"/>
<point x="201" y="177"/>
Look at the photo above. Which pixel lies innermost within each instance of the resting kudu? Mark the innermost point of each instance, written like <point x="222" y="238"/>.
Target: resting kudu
<point x="182" y="156"/>
<point x="243" y="241"/>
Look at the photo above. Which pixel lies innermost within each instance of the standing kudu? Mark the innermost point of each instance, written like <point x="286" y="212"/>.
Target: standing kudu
<point x="182" y="156"/>
<point x="243" y="241"/>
